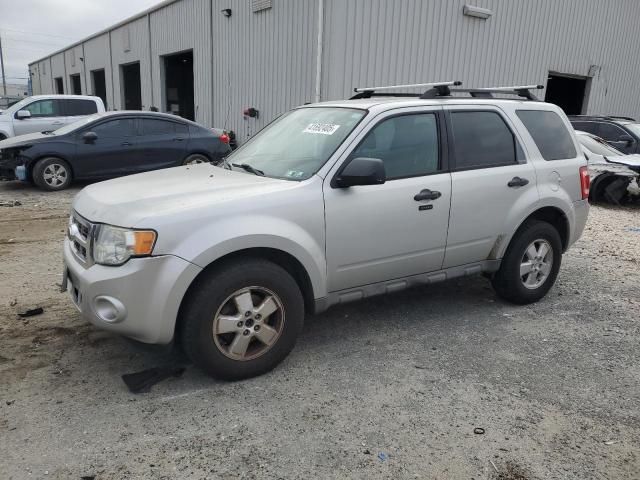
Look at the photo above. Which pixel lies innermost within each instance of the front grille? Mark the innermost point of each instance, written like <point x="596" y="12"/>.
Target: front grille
<point x="81" y="232"/>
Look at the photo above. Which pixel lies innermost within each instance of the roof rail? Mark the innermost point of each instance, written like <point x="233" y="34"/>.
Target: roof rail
<point x="603" y="117"/>
<point x="520" y="90"/>
<point x="434" y="88"/>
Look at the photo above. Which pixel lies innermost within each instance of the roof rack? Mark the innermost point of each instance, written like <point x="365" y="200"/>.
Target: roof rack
<point x="433" y="89"/>
<point x="441" y="89"/>
<point x="604" y="117"/>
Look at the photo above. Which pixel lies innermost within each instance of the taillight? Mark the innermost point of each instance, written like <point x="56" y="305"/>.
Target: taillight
<point x="585" y="182"/>
<point x="224" y="138"/>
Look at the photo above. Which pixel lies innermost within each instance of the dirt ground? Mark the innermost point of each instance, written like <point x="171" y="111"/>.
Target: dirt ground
<point x="392" y="387"/>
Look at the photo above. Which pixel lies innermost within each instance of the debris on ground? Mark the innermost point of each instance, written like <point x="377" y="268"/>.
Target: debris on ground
<point x="10" y="203"/>
<point x="383" y="457"/>
<point x="478" y="431"/>
<point x="141" y="382"/>
<point x="31" y="312"/>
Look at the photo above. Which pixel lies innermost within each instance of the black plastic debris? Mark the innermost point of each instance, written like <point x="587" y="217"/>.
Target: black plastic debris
<point x="141" y="382"/>
<point x="31" y="312"/>
<point x="478" y="431"/>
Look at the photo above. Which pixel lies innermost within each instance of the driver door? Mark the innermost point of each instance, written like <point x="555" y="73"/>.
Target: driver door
<point x="376" y="233"/>
<point x="46" y="115"/>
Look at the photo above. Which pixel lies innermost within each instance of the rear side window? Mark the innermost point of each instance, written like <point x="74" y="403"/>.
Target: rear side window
<point x="157" y="127"/>
<point x="482" y="139"/>
<point x="549" y="132"/>
<point x="78" y="107"/>
<point x="117" y="128"/>
<point x="407" y="144"/>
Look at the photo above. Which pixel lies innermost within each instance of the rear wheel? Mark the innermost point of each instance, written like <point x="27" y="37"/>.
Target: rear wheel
<point x="195" y="158"/>
<point x="530" y="265"/>
<point x="2" y="137"/>
<point x="241" y="320"/>
<point x="52" y="174"/>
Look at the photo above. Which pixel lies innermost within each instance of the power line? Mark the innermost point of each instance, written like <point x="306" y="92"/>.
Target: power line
<point x="35" y="33"/>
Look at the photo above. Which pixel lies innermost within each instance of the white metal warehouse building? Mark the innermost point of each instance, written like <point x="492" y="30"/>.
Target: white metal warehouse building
<point x="211" y="59"/>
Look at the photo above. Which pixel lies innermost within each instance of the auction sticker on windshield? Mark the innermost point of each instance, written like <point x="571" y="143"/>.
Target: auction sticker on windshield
<point x="321" y="128"/>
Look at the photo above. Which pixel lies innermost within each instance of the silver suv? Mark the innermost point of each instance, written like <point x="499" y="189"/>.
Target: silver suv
<point x="332" y="202"/>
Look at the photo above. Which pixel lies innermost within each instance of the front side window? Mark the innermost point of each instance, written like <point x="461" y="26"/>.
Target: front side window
<point x="118" y="128"/>
<point x="611" y="132"/>
<point x="407" y="144"/>
<point x="43" y="108"/>
<point x="549" y="133"/>
<point x="296" y="145"/>
<point x="482" y="139"/>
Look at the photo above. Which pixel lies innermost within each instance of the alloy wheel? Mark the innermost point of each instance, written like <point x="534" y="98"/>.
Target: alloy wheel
<point x="248" y="323"/>
<point x="536" y="264"/>
<point x="55" y="174"/>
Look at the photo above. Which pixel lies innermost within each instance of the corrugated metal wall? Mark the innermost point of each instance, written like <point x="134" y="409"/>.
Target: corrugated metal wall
<point x="176" y="28"/>
<point x="267" y="59"/>
<point x="384" y="42"/>
<point x="98" y="56"/>
<point x="264" y="60"/>
<point x="129" y="44"/>
<point x="74" y="66"/>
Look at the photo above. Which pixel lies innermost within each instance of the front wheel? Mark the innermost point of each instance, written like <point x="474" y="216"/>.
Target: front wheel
<point x="242" y="320"/>
<point x="52" y="174"/>
<point x="530" y="265"/>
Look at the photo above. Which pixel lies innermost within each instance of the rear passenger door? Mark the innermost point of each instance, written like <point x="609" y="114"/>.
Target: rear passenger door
<point x="162" y="143"/>
<point x="493" y="185"/>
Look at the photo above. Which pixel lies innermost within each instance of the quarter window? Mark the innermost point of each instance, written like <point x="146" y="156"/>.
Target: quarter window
<point x="482" y="139"/>
<point x="407" y="144"/>
<point x="549" y="132"/>
<point x="611" y="132"/>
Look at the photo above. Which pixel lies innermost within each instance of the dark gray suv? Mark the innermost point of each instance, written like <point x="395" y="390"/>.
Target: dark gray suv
<point x="622" y="133"/>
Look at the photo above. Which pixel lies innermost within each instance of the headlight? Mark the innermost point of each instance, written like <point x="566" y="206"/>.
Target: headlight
<point x="115" y="245"/>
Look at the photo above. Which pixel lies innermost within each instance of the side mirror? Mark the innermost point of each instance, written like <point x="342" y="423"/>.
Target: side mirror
<point x="23" y="114"/>
<point x="622" y="138"/>
<point x="361" y="171"/>
<point x="89" y="137"/>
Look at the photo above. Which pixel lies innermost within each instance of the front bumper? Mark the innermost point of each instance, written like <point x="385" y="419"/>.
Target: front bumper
<point x="139" y="299"/>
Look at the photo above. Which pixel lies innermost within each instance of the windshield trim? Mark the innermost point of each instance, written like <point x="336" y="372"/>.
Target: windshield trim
<point x="229" y="158"/>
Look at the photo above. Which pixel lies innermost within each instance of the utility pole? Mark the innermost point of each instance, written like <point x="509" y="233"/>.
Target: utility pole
<point x="4" y="79"/>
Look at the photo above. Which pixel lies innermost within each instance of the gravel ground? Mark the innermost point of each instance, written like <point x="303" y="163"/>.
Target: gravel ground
<point x="392" y="387"/>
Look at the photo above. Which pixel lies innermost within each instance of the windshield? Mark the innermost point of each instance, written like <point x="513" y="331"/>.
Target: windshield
<point x="634" y="127"/>
<point x="76" y="125"/>
<point x="597" y="145"/>
<point x="296" y="145"/>
<point x="17" y="106"/>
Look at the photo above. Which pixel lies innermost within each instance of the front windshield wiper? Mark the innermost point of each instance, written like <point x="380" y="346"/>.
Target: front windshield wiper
<point x="249" y="168"/>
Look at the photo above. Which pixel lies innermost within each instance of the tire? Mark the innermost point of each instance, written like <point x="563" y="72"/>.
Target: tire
<point x="2" y="137"/>
<point x="52" y="174"/>
<point x="213" y="301"/>
<point x="542" y="267"/>
<point x="195" y="158"/>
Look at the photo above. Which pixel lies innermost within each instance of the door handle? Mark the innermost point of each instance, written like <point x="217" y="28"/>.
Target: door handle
<point x="517" y="182"/>
<point x="178" y="139"/>
<point x="126" y="144"/>
<point x="427" y="194"/>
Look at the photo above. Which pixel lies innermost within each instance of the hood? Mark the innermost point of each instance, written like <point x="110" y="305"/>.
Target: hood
<point x="24" y="140"/>
<point x="132" y="200"/>
<point x="632" y="161"/>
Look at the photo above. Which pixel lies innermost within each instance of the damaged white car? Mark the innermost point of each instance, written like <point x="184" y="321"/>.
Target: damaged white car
<point x="615" y="177"/>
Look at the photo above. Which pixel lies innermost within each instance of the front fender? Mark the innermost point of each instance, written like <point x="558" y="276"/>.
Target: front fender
<point x="212" y="241"/>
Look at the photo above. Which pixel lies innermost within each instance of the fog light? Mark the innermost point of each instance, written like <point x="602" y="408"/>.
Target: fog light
<point x="109" y="309"/>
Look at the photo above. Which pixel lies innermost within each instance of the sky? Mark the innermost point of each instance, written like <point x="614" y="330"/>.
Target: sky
<point x="31" y="29"/>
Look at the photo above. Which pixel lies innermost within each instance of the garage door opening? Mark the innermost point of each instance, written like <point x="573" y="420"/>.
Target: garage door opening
<point x="568" y="92"/>
<point x="99" y="85"/>
<point x="59" y="86"/>
<point x="76" y="84"/>
<point x="131" y="89"/>
<point x="178" y="84"/>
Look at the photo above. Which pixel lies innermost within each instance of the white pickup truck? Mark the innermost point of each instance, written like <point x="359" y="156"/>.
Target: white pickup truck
<point x="45" y="113"/>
